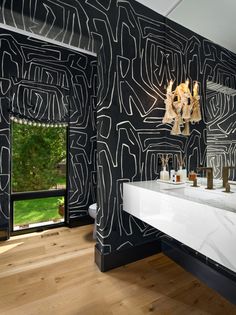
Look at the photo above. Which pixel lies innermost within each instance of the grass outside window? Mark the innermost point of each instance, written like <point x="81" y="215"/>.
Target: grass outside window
<point x="36" y="211"/>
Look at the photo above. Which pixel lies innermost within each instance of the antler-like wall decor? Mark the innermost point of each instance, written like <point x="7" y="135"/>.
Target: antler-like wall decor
<point x="182" y="108"/>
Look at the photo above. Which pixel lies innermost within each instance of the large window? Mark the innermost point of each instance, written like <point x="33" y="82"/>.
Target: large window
<point x="38" y="174"/>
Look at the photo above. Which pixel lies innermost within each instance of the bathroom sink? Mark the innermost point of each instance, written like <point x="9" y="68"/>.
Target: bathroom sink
<point x="213" y="197"/>
<point x="193" y="193"/>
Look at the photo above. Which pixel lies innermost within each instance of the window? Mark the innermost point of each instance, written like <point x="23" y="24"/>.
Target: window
<point x="38" y="174"/>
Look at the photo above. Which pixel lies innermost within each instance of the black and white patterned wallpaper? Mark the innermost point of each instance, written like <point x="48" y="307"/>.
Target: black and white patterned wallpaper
<point x="46" y="83"/>
<point x="4" y="163"/>
<point x="138" y="52"/>
<point x="39" y="100"/>
<point x="221" y="128"/>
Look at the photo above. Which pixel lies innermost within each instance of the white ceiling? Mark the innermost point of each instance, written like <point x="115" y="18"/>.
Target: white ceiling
<point x="213" y="19"/>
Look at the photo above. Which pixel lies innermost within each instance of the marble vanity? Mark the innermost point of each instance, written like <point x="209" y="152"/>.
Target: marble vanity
<point x="204" y="220"/>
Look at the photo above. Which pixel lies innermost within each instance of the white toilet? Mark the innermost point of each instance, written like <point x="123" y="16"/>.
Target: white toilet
<point x="93" y="213"/>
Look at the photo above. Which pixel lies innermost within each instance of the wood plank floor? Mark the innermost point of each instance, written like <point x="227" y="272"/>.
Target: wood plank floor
<point x="53" y="272"/>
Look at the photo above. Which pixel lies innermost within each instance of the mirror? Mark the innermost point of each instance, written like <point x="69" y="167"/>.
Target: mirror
<point x="221" y="127"/>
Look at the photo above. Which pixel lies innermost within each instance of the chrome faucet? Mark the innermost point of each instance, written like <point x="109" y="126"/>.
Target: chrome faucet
<point x="225" y="174"/>
<point x="209" y="173"/>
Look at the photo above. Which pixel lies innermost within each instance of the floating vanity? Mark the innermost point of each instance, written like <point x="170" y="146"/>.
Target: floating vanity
<point x="203" y="220"/>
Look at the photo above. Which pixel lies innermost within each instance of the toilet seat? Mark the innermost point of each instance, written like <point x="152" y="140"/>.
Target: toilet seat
<point x="93" y="210"/>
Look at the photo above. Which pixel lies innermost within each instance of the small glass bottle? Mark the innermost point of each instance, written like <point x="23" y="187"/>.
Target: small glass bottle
<point x="184" y="175"/>
<point x="182" y="172"/>
<point x="179" y="172"/>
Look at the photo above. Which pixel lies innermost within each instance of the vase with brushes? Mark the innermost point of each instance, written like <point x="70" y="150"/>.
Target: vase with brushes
<point x="164" y="174"/>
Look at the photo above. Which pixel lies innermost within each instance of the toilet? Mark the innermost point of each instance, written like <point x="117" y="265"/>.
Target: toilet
<point x="92" y="210"/>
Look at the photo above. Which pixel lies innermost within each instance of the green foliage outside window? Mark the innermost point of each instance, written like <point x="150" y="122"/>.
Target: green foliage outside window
<point x="37" y="151"/>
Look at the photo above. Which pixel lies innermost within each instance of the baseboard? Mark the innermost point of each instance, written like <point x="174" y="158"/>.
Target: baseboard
<point x="4" y="235"/>
<point x="3" y="239"/>
<point x="119" y="258"/>
<point x="38" y="229"/>
<point x="215" y="279"/>
<point x="80" y="221"/>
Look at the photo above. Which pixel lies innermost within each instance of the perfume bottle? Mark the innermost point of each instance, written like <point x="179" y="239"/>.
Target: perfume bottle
<point x="182" y="172"/>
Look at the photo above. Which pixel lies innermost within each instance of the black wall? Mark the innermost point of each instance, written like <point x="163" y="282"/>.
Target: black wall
<point x="138" y="52"/>
<point x="48" y="84"/>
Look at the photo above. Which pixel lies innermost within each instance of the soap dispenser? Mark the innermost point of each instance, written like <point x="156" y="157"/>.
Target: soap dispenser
<point x="164" y="174"/>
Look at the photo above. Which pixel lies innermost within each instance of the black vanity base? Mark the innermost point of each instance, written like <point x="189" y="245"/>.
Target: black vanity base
<point x="217" y="279"/>
<point x="215" y="276"/>
<point x="119" y="258"/>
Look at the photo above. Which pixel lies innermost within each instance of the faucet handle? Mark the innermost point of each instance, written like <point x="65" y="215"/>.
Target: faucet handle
<point x="227" y="188"/>
<point x="195" y="183"/>
<point x="225" y="174"/>
<point x="209" y="171"/>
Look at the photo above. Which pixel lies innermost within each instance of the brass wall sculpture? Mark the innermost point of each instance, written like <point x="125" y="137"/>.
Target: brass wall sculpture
<point x="182" y="108"/>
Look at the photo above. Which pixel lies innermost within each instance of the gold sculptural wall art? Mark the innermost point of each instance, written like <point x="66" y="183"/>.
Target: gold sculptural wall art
<point x="182" y="107"/>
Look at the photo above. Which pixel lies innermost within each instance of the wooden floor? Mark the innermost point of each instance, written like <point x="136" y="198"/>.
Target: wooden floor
<point x="53" y="272"/>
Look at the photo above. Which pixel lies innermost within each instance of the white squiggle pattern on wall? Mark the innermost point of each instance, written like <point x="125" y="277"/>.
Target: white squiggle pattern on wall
<point x="138" y="52"/>
<point x="46" y="83"/>
<point x="4" y="162"/>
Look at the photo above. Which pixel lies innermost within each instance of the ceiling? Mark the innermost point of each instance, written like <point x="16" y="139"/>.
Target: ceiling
<point x="213" y="19"/>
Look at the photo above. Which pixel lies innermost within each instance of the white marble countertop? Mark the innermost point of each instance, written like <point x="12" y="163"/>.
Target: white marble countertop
<point x="204" y="220"/>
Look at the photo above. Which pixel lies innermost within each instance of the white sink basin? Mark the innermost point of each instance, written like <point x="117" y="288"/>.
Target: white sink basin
<point x="193" y="193"/>
<point x="213" y="197"/>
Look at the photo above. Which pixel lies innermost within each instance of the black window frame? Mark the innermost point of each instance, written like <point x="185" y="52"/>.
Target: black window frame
<point x="30" y="195"/>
